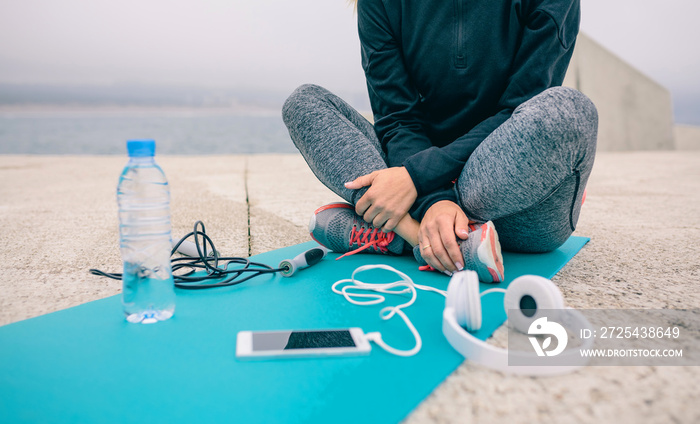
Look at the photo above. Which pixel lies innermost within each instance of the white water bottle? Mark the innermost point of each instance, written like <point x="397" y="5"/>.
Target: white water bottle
<point x="143" y="197"/>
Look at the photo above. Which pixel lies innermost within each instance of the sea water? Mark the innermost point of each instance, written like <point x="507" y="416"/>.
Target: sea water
<point x="102" y="131"/>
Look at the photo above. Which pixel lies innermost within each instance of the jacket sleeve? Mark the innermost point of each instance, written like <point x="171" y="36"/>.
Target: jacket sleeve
<point x="395" y="101"/>
<point x="549" y="34"/>
<point x="393" y="96"/>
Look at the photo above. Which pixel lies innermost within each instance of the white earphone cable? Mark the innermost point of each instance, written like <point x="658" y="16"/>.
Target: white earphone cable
<point x="405" y="285"/>
<point x="493" y="290"/>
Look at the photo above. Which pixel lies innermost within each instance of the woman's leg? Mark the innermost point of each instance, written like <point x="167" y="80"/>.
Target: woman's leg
<point x="529" y="175"/>
<point x="337" y="142"/>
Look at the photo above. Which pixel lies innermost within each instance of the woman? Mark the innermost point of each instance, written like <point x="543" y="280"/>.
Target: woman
<point x="472" y="133"/>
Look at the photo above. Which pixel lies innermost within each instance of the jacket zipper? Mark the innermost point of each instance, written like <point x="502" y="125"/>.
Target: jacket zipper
<point x="460" y="59"/>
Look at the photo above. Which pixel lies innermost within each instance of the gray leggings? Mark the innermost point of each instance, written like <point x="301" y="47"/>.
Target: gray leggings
<point x="528" y="176"/>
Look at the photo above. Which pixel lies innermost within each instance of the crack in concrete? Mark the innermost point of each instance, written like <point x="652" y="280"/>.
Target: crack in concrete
<point x="247" y="205"/>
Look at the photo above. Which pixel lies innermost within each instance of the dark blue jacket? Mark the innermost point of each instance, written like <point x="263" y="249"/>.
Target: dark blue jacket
<point x="443" y="74"/>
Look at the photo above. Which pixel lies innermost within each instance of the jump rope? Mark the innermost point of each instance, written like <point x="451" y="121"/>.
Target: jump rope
<point x="201" y="255"/>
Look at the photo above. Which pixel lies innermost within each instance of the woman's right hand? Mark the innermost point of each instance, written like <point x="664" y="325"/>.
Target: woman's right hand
<point x="442" y="225"/>
<point x="391" y="194"/>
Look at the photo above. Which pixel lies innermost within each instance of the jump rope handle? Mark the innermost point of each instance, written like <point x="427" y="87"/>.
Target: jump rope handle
<point x="303" y="260"/>
<point x="288" y="266"/>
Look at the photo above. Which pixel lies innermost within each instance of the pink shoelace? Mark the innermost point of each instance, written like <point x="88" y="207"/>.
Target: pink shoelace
<point x="366" y="238"/>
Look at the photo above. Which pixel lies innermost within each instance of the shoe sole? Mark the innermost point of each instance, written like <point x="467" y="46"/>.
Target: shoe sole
<point x="333" y="206"/>
<point x="489" y="252"/>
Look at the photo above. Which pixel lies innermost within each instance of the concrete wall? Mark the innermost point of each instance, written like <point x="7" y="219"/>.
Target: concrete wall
<point x="635" y="112"/>
<point x="687" y="137"/>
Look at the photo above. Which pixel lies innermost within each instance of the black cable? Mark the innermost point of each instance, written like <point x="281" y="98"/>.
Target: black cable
<point x="208" y="261"/>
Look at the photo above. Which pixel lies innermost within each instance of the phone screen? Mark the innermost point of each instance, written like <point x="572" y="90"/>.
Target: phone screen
<point x="289" y="340"/>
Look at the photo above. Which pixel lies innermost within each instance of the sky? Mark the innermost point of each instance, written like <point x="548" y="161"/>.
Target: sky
<point x="280" y="44"/>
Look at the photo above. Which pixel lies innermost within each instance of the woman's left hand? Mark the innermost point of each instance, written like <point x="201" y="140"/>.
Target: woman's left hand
<point x="390" y="195"/>
<point x="442" y="225"/>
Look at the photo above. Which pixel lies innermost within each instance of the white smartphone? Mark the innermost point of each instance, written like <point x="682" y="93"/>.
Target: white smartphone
<point x="301" y="343"/>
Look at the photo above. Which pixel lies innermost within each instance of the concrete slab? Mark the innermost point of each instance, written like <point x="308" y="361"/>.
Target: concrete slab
<point x="643" y="216"/>
<point x="283" y="193"/>
<point x="59" y="219"/>
<point x="210" y="189"/>
<point x="642" y="213"/>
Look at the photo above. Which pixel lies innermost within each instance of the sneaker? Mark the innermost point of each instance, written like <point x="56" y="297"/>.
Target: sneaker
<point x="481" y="252"/>
<point x="337" y="227"/>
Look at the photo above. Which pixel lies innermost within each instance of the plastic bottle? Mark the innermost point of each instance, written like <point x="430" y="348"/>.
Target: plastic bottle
<point x="143" y="197"/>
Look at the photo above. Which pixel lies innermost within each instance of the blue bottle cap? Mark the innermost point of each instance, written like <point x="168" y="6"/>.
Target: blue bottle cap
<point x="141" y="148"/>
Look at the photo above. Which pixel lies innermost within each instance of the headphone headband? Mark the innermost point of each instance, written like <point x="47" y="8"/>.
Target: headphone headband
<point x="490" y="356"/>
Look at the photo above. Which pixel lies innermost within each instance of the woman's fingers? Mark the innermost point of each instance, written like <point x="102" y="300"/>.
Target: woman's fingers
<point x="435" y="253"/>
<point x="442" y="224"/>
<point x="442" y="255"/>
<point x="390" y="224"/>
<point x="363" y="205"/>
<point x="461" y="225"/>
<point x="378" y="221"/>
<point x="453" y="251"/>
<point x="360" y="182"/>
<point x="426" y="251"/>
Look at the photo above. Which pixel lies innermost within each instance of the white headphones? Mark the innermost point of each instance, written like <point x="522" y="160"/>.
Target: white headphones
<point x="530" y="296"/>
<point x="525" y="299"/>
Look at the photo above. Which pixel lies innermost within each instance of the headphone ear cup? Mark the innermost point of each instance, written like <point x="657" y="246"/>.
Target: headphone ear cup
<point x="463" y="295"/>
<point x="526" y="298"/>
<point x="472" y="299"/>
<point x="453" y="292"/>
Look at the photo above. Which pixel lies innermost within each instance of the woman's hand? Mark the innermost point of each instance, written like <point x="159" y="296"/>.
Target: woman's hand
<point x="390" y="195"/>
<point x="442" y="224"/>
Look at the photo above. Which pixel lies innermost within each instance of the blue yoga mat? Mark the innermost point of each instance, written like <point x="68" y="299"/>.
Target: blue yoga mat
<point x="87" y="364"/>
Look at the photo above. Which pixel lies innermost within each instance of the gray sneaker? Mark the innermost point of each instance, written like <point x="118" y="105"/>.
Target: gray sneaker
<point x="481" y="252"/>
<point x="337" y="227"/>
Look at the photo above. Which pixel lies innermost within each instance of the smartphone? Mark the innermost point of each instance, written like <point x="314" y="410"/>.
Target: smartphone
<point x="301" y="343"/>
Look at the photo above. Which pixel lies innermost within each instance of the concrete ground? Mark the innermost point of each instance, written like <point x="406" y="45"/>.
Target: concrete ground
<point x="59" y="218"/>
